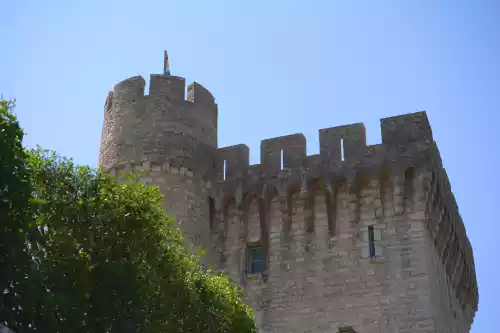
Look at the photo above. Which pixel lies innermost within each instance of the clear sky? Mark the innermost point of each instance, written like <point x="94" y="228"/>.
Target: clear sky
<point x="277" y="68"/>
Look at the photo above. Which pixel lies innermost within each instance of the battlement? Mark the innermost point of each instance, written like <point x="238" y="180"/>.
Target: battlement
<point x="407" y="164"/>
<point x="159" y="126"/>
<point x="169" y="88"/>
<point x="355" y="230"/>
<point x="403" y="138"/>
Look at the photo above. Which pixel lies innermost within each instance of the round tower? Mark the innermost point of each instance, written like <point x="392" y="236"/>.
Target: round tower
<point x="171" y="139"/>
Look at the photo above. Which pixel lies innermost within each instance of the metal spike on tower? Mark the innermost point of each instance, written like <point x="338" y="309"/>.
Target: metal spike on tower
<point x="166" y="67"/>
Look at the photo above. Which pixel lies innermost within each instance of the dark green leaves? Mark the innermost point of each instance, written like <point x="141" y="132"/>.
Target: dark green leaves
<point x="81" y="252"/>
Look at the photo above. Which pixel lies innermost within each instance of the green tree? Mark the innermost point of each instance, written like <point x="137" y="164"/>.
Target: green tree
<point x="16" y="228"/>
<point x="104" y="257"/>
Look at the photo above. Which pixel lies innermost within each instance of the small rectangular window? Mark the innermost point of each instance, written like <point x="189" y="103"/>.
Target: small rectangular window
<point x="342" y="149"/>
<point x="282" y="163"/>
<point x="371" y="241"/>
<point x="211" y="212"/>
<point x="256" y="259"/>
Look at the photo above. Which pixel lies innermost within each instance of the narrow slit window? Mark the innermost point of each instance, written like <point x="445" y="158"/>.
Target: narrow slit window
<point x="224" y="170"/>
<point x="341" y="149"/>
<point x="256" y="259"/>
<point x="211" y="212"/>
<point x="281" y="159"/>
<point x="371" y="241"/>
<point x="347" y="329"/>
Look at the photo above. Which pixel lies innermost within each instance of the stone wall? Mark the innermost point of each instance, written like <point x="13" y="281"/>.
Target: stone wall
<point x="159" y="127"/>
<point x="319" y="282"/>
<point x="312" y="215"/>
<point x="186" y="199"/>
<point x="169" y="137"/>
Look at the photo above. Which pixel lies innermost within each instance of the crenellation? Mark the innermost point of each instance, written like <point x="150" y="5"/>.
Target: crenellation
<point x="196" y="93"/>
<point x="285" y="152"/>
<point x="292" y="150"/>
<point x="356" y="231"/>
<point x="129" y="90"/>
<point x="232" y="162"/>
<point x="406" y="128"/>
<point x="170" y="88"/>
<point x="348" y="139"/>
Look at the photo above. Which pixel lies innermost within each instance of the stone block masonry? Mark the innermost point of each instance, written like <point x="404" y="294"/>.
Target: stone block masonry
<point x="358" y="238"/>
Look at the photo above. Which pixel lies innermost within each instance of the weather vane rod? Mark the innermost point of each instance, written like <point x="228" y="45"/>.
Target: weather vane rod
<point x="166" y="66"/>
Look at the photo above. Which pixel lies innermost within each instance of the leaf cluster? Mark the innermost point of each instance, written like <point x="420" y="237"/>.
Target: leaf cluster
<point x="81" y="252"/>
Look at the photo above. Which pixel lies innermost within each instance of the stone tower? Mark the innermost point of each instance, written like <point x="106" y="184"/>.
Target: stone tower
<point x="172" y="138"/>
<point x="358" y="238"/>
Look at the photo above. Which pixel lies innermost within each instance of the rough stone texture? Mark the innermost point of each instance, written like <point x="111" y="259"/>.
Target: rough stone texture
<point x="310" y="213"/>
<point x="172" y="140"/>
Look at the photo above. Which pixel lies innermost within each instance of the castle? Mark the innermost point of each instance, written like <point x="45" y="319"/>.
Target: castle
<point x="358" y="238"/>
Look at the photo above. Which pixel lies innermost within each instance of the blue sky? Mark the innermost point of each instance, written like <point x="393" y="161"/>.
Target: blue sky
<point x="300" y="65"/>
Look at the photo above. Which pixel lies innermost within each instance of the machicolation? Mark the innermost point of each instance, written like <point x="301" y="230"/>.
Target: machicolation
<point x="365" y="237"/>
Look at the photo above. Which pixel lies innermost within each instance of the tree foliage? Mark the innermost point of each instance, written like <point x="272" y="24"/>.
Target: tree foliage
<point x="15" y="227"/>
<point x="82" y="252"/>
